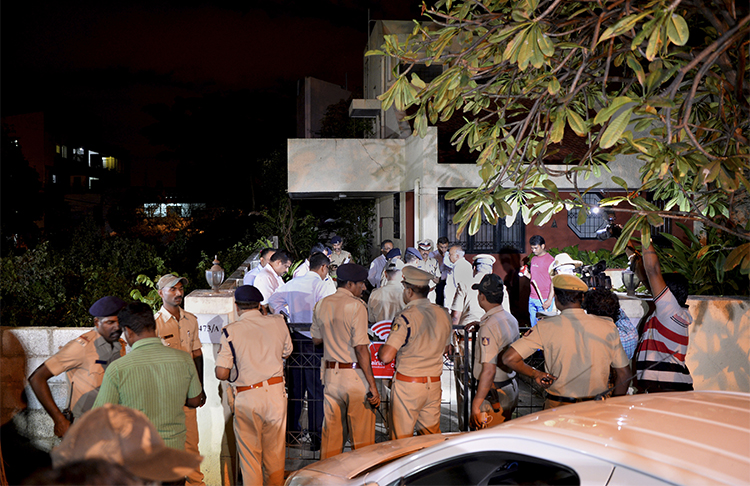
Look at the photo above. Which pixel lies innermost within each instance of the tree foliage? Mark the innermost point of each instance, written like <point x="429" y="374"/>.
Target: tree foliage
<point x="664" y="80"/>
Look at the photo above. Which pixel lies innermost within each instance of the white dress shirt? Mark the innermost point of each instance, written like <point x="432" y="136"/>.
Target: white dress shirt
<point x="297" y="298"/>
<point x="376" y="270"/>
<point x="267" y="282"/>
<point x="302" y="269"/>
<point x="249" y="278"/>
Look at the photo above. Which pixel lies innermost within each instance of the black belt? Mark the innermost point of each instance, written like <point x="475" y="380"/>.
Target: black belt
<point x="568" y="399"/>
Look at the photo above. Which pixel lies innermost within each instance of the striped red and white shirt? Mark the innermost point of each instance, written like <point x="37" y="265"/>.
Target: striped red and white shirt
<point x="660" y="358"/>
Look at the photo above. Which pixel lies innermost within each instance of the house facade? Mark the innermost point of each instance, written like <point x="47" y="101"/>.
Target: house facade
<point x="408" y="176"/>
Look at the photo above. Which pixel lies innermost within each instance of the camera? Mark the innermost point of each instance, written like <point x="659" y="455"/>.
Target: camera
<point x="612" y="230"/>
<point x="594" y="276"/>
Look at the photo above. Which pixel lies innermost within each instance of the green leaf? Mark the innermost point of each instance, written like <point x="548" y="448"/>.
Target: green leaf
<point x="582" y="215"/>
<point x="417" y="81"/>
<point x="550" y="186"/>
<point x="637" y="69"/>
<point x="654" y="219"/>
<point x="606" y="113"/>
<point x="553" y="87"/>
<point x="620" y="182"/>
<point x="374" y="52"/>
<point x="740" y="253"/>
<point x="677" y="30"/>
<point x="476" y="222"/>
<point x="614" y="130"/>
<point x="576" y="122"/>
<point x="654" y="44"/>
<point x="624" y="25"/>
<point x="558" y="126"/>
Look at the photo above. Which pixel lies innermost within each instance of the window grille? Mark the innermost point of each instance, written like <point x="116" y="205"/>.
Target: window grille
<point x="489" y="239"/>
<point x="594" y="221"/>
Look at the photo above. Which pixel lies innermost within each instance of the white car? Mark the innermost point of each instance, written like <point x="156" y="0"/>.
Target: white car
<point x="665" y="438"/>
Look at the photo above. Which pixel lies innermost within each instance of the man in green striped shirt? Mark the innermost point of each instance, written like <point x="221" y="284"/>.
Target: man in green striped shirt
<point x="152" y="378"/>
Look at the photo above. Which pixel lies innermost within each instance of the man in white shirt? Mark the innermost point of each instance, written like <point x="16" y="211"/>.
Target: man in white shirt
<point x="440" y="255"/>
<point x="378" y="264"/>
<point x="297" y="299"/>
<point x="269" y="279"/>
<point x="460" y="272"/>
<point x="305" y="266"/>
<point x="265" y="256"/>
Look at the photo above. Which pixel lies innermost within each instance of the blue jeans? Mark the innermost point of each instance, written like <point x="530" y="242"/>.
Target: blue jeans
<point x="535" y="305"/>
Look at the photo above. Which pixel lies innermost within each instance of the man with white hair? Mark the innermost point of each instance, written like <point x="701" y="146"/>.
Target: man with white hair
<point x="461" y="272"/>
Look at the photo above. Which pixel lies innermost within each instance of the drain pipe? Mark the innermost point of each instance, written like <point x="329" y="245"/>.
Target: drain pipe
<point x="417" y="212"/>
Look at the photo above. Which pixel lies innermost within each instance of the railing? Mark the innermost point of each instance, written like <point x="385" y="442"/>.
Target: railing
<point x="303" y="445"/>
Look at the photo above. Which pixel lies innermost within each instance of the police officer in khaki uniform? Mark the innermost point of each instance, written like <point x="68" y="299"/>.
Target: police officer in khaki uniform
<point x="256" y="345"/>
<point x="418" y="339"/>
<point x="340" y="324"/>
<point x="85" y="359"/>
<point x="497" y="390"/>
<point x="387" y="301"/>
<point x="579" y="349"/>
<point x="179" y="329"/>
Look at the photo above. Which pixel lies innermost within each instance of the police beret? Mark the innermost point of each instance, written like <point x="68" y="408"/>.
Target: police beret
<point x="393" y="253"/>
<point x="106" y="306"/>
<point x="491" y="284"/>
<point x="336" y="239"/>
<point x="569" y="282"/>
<point x="246" y="294"/>
<point x="415" y="276"/>
<point x="413" y="251"/>
<point x="351" y="272"/>
<point x="170" y="280"/>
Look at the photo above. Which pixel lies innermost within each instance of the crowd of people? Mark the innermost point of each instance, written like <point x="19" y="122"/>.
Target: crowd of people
<point x="434" y="298"/>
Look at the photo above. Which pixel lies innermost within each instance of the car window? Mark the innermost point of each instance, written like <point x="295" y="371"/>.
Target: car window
<point x="491" y="468"/>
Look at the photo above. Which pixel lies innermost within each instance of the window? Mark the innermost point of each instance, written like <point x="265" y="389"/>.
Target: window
<point x="397" y="215"/>
<point x="489" y="239"/>
<point x="64" y="152"/>
<point x="596" y="220"/>
<point x="489" y="468"/>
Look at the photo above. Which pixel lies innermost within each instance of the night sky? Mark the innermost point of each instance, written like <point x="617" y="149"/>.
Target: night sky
<point x="100" y="63"/>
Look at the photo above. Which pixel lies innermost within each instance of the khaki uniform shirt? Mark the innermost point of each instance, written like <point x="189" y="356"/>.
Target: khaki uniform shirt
<point x="386" y="302"/>
<point x="85" y="359"/>
<point x="578" y="350"/>
<point x="260" y="344"/>
<point x="430" y="266"/>
<point x="340" y="320"/>
<point x="420" y="333"/>
<point x="341" y="258"/>
<point x="497" y="329"/>
<point x="182" y="334"/>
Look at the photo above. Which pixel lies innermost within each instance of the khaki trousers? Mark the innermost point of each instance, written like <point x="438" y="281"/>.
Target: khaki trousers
<point x="195" y="478"/>
<point x="346" y="412"/>
<point x="415" y="405"/>
<point x="260" y="428"/>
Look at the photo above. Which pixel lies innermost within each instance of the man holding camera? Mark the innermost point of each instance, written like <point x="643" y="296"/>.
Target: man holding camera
<point x="579" y="350"/>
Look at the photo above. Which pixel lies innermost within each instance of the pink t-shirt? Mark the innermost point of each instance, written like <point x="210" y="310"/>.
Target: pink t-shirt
<point x="539" y="270"/>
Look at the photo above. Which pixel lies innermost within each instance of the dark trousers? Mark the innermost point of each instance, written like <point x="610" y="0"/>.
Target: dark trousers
<point x="304" y="377"/>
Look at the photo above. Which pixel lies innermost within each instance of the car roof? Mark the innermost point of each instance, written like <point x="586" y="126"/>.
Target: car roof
<point x="674" y="436"/>
<point x="680" y="437"/>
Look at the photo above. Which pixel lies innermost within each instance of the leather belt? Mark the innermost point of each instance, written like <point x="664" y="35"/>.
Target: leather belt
<point x="271" y="381"/>
<point x="568" y="399"/>
<point x="345" y="366"/>
<point x="416" y="379"/>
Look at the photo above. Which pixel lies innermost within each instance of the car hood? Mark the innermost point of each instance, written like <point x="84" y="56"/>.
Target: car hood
<point x="355" y="463"/>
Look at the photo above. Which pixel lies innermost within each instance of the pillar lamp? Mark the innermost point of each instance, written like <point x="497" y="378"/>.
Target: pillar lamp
<point x="215" y="275"/>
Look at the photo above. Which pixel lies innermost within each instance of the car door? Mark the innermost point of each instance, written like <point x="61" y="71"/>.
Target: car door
<point x="485" y="461"/>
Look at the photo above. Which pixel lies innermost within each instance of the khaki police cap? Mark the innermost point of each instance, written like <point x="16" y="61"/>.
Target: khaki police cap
<point x="415" y="276"/>
<point x="569" y="282"/>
